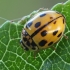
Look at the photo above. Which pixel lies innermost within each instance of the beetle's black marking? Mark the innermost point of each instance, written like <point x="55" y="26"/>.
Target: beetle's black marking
<point x="28" y="24"/>
<point x="63" y="21"/>
<point x="42" y="14"/>
<point x="42" y="42"/>
<point x="37" y="24"/>
<point x="55" y="32"/>
<point x="51" y="17"/>
<point x="28" y="43"/>
<point x="33" y="48"/>
<point x="54" y="22"/>
<point x="59" y="34"/>
<point x="50" y="43"/>
<point x="33" y="44"/>
<point x="37" y="31"/>
<point x="44" y="33"/>
<point x="25" y="48"/>
<point x="60" y="14"/>
<point x="25" y="39"/>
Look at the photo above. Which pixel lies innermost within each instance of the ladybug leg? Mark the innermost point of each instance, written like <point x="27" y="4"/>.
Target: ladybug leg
<point x="35" y="53"/>
<point x="42" y="9"/>
<point x="23" y="20"/>
<point x="23" y="46"/>
<point x="66" y="37"/>
<point x="37" y="11"/>
<point x="53" y="48"/>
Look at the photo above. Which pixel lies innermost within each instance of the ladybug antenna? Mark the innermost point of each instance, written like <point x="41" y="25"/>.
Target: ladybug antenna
<point x="3" y="18"/>
<point x="10" y="20"/>
<point x="16" y="19"/>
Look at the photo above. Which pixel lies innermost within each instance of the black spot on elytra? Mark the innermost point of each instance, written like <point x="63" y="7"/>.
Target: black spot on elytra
<point x="51" y="17"/>
<point x="46" y="24"/>
<point x="33" y="44"/>
<point x="63" y="21"/>
<point x="55" y="32"/>
<point x="50" y="43"/>
<point x="59" y="34"/>
<point x="54" y="22"/>
<point x="37" y="24"/>
<point x="42" y="42"/>
<point x="42" y="14"/>
<point x="44" y="33"/>
<point x="28" y="43"/>
<point x="28" y="24"/>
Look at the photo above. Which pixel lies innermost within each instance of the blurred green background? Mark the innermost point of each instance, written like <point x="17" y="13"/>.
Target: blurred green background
<point x="13" y="9"/>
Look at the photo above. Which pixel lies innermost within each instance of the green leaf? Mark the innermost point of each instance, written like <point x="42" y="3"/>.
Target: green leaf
<point x="13" y="57"/>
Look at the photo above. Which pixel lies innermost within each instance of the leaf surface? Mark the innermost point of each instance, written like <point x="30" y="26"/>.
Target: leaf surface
<point x="13" y="57"/>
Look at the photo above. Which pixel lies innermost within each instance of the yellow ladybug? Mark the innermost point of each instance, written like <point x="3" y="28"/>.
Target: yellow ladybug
<point x="42" y="30"/>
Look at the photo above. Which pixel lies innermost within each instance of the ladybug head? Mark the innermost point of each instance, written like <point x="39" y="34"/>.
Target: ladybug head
<point x="24" y="39"/>
<point x="27" y="42"/>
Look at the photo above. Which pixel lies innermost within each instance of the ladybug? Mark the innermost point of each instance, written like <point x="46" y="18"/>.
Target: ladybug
<point x="42" y="30"/>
